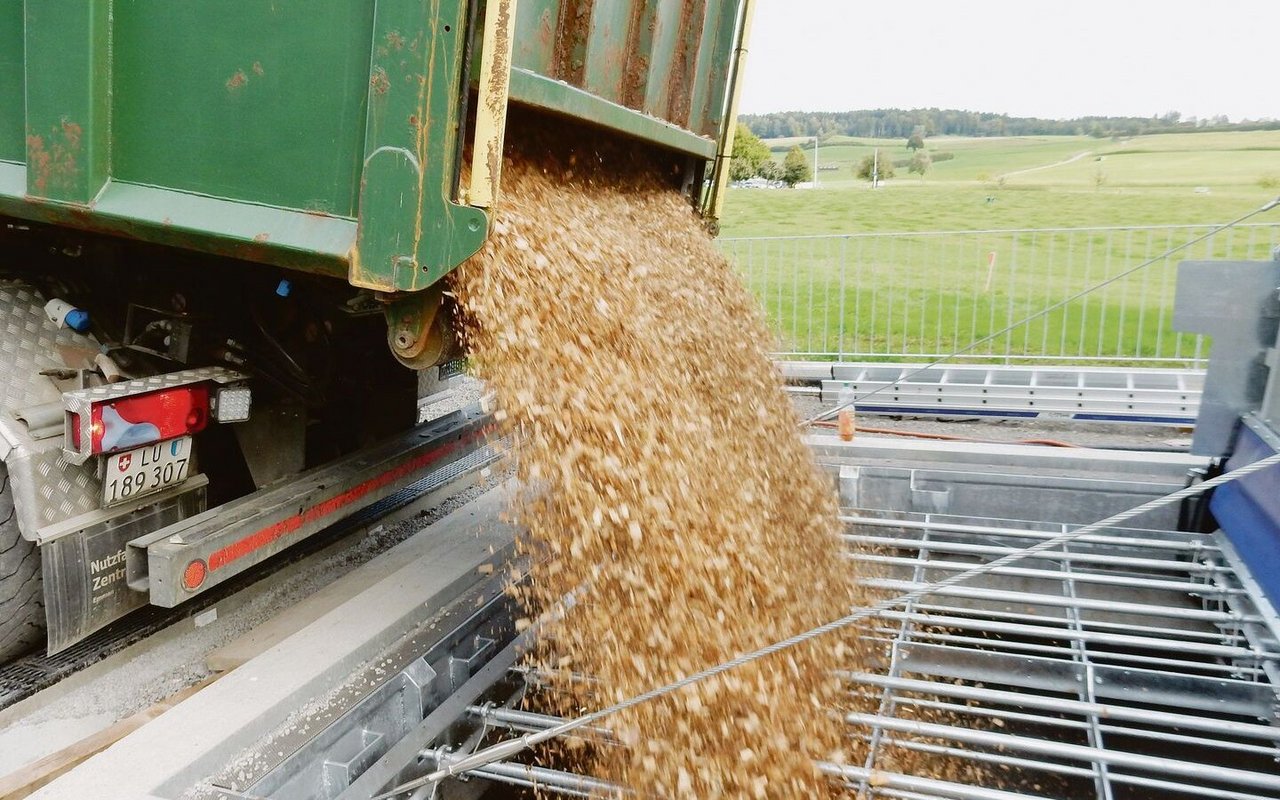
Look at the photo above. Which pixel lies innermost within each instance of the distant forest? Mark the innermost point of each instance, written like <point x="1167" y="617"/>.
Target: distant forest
<point x="893" y="123"/>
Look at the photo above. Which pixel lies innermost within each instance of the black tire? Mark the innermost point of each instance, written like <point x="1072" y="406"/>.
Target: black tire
<point x="21" y="587"/>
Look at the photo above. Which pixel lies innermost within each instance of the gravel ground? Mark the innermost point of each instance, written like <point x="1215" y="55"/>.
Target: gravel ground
<point x="463" y="391"/>
<point x="175" y="658"/>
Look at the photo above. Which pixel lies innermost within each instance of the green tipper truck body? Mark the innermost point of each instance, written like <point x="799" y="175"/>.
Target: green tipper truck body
<point x="286" y="131"/>
<point x="223" y="225"/>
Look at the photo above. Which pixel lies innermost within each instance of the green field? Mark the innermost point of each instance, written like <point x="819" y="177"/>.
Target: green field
<point x="871" y="294"/>
<point x="1147" y="180"/>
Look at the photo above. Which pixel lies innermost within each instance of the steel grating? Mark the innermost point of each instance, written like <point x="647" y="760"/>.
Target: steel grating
<point x="1135" y="664"/>
<point x="1095" y="394"/>
<point x="1128" y="665"/>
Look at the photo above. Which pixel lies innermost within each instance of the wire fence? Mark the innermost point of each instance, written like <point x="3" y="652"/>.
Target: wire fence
<point x="920" y="296"/>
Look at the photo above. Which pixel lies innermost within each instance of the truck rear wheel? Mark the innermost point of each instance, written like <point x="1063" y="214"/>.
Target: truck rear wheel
<point x="21" y="589"/>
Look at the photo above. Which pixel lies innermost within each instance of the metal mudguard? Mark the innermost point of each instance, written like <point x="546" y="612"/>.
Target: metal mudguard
<point x="83" y="560"/>
<point x="47" y="488"/>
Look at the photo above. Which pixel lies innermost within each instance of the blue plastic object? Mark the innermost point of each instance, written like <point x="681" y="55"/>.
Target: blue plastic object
<point x="1248" y="511"/>
<point x="77" y="320"/>
<point x="284" y="287"/>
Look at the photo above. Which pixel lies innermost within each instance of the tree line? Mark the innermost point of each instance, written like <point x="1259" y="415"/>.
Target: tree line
<point x="751" y="159"/>
<point x="892" y="123"/>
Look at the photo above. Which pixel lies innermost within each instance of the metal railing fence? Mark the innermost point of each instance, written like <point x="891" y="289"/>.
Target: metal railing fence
<point x="919" y="296"/>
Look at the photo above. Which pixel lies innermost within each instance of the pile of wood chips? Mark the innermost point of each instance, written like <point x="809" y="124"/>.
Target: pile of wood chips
<point x="665" y="481"/>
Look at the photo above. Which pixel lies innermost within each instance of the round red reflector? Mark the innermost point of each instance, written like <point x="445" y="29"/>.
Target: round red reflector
<point x="194" y="575"/>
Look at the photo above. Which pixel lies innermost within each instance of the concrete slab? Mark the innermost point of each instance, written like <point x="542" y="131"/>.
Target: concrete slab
<point x="35" y="741"/>
<point x="399" y="590"/>
<point x="805" y="370"/>
<point x="40" y="771"/>
<point x="275" y="630"/>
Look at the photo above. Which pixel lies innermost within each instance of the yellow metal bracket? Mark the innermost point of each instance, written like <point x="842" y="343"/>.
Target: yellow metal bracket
<point x="491" y="102"/>
<point x="720" y="172"/>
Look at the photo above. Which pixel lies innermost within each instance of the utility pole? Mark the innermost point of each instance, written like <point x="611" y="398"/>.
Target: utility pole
<point x="875" y="170"/>
<point x="815" y="161"/>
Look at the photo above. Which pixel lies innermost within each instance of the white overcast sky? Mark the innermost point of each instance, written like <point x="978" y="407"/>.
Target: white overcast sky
<point x="1042" y="58"/>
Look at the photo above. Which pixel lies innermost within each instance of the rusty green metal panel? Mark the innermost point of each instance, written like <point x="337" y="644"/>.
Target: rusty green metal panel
<point x="699" y="90"/>
<point x="714" y="58"/>
<point x="721" y="69"/>
<point x="686" y="62"/>
<point x="606" y="57"/>
<point x="668" y="17"/>
<point x="573" y="34"/>
<point x="411" y="232"/>
<point x="665" y="58"/>
<point x="297" y="133"/>
<point x="534" y="47"/>
<point x="635" y="81"/>
<point x="12" y="83"/>
<point x="261" y="100"/>
<point x="67" y="131"/>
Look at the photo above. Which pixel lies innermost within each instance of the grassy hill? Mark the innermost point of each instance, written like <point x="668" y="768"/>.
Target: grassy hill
<point x="1021" y="182"/>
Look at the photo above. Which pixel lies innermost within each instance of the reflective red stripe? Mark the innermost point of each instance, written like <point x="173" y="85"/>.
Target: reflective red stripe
<point x="254" y="541"/>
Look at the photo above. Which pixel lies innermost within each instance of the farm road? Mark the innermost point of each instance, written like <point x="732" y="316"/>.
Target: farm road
<point x="1064" y="162"/>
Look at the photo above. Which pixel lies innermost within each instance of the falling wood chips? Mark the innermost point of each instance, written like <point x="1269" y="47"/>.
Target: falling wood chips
<point x="665" y="479"/>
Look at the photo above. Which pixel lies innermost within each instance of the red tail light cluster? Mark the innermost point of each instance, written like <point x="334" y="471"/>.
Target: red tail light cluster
<point x="121" y="416"/>
<point x="142" y="419"/>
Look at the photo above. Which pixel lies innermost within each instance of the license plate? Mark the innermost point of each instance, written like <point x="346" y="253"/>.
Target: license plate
<point x="145" y="470"/>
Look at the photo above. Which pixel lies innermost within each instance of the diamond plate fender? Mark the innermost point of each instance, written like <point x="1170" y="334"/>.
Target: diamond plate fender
<point x="47" y="488"/>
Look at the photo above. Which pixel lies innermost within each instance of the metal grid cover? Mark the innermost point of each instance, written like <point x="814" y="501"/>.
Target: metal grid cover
<point x="1130" y="664"/>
